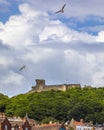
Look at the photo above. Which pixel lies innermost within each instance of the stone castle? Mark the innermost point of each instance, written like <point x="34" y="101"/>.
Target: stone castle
<point x="41" y="86"/>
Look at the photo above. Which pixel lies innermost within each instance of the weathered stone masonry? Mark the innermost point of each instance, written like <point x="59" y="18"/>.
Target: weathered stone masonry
<point x="41" y="86"/>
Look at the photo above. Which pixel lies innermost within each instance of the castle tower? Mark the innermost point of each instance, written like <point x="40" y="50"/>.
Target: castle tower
<point x="40" y="83"/>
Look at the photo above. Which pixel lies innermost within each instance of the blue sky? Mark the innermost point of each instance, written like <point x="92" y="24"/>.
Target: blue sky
<point x="60" y="48"/>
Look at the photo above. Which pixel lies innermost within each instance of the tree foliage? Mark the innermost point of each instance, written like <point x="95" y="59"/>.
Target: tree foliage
<point x="3" y="102"/>
<point x="75" y="103"/>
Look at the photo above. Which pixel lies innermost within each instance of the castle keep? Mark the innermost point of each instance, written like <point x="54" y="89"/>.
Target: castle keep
<point x="41" y="86"/>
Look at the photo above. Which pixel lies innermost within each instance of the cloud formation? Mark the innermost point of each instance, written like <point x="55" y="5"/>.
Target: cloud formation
<point x="49" y="49"/>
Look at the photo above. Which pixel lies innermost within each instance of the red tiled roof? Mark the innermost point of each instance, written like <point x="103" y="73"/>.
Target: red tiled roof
<point x="78" y="123"/>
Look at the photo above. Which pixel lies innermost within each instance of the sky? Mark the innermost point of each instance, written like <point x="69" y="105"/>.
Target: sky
<point x="61" y="48"/>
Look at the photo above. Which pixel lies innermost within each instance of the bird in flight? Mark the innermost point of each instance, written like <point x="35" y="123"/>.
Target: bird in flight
<point x="23" y="67"/>
<point x="62" y="9"/>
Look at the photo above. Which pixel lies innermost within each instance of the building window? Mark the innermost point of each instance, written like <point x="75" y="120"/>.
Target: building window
<point x="26" y="128"/>
<point x="12" y="128"/>
<point x="6" y="127"/>
<point x="16" y="127"/>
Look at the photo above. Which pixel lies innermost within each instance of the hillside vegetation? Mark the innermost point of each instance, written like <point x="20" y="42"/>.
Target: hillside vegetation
<point x="74" y="103"/>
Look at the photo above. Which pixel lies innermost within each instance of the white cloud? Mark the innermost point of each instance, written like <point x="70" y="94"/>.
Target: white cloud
<point x="49" y="57"/>
<point x="11" y="83"/>
<point x="22" y="29"/>
<point x="56" y="30"/>
<point x="13" y="78"/>
<point x="79" y="8"/>
<point x="98" y="79"/>
<point x="100" y="37"/>
<point x="4" y="61"/>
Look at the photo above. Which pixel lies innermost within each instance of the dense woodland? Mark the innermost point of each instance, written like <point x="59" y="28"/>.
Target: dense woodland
<point x="53" y="105"/>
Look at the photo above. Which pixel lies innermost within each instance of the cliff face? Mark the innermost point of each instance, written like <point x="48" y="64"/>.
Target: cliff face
<point x="40" y="86"/>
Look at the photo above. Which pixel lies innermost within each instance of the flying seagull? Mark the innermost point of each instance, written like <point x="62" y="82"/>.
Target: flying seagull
<point x="62" y="9"/>
<point x="23" y="67"/>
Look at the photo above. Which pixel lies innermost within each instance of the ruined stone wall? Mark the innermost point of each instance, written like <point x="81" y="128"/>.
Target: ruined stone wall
<point x="40" y="86"/>
<point x="55" y="87"/>
<point x="73" y="86"/>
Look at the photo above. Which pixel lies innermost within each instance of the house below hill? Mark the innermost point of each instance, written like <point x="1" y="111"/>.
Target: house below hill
<point x="14" y="123"/>
<point x="17" y="123"/>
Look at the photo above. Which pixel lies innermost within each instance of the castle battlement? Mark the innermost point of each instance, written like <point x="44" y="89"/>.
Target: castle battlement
<point x="41" y="86"/>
